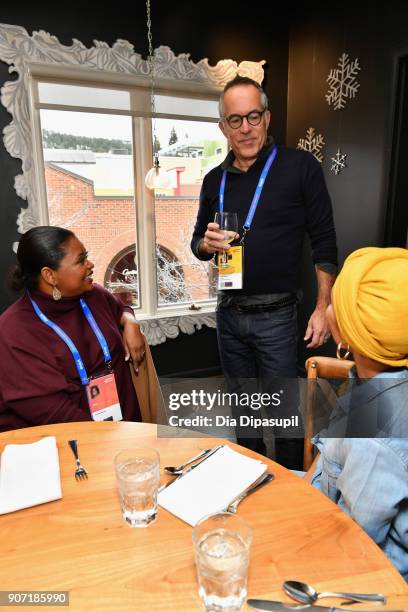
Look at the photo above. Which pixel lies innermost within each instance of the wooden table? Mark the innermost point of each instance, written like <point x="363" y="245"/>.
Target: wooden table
<point x="81" y="544"/>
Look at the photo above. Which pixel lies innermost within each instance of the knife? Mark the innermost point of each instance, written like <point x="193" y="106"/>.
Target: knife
<point x="278" y="606"/>
<point x="207" y="456"/>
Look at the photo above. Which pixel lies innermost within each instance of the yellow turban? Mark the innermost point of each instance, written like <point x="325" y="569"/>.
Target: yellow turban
<point x="370" y="300"/>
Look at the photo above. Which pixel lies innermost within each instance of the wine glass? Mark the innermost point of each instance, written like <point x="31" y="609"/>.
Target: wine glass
<point x="228" y="222"/>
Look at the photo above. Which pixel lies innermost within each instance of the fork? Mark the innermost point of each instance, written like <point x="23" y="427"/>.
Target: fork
<point x="80" y="472"/>
<point x="259" y="482"/>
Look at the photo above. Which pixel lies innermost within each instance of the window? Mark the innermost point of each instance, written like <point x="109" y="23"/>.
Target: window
<point x="60" y="89"/>
<point x="97" y="142"/>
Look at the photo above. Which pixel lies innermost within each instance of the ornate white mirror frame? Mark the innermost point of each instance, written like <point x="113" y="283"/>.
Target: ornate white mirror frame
<point x="20" y="51"/>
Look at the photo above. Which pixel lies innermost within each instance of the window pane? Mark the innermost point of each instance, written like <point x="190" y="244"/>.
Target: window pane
<point x="186" y="106"/>
<point x="79" y="95"/>
<point x="187" y="151"/>
<point x="90" y="190"/>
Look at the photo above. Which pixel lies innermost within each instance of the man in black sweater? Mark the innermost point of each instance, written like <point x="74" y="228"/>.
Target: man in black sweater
<point x="257" y="325"/>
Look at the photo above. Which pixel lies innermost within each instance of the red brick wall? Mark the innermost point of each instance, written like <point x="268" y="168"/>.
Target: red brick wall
<point x="106" y="225"/>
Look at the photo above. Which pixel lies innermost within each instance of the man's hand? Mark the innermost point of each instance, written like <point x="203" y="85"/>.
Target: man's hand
<point x="213" y="241"/>
<point x="317" y="329"/>
<point x="133" y="341"/>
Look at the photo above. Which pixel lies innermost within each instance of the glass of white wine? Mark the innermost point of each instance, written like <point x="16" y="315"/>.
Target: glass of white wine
<point x="228" y="222"/>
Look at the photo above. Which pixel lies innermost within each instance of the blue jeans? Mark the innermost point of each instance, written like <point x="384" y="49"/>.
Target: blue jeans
<point x="258" y="345"/>
<point x="263" y="347"/>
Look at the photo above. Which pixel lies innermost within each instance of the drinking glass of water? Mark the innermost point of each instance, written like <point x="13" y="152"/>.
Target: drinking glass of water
<point x="222" y="545"/>
<point x="137" y="476"/>
<point x="228" y="222"/>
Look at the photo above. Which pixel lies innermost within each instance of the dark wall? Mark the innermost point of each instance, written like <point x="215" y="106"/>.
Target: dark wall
<point x="375" y="33"/>
<point x="225" y="30"/>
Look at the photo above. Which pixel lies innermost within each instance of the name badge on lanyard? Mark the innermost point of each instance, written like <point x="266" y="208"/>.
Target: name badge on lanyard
<point x="231" y="264"/>
<point x="103" y="398"/>
<point x="101" y="390"/>
<point x="230" y="272"/>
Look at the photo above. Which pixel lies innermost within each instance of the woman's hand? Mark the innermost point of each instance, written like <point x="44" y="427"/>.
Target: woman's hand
<point x="133" y="340"/>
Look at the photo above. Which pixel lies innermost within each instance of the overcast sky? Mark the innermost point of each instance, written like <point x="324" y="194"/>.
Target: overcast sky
<point x="119" y="126"/>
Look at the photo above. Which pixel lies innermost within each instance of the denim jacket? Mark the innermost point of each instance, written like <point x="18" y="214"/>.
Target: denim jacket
<point x="368" y="477"/>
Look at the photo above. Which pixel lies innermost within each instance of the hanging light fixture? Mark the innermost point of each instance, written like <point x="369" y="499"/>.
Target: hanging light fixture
<point x="156" y="178"/>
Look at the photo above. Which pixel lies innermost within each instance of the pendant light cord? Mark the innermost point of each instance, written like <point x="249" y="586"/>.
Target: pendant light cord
<point x="151" y="73"/>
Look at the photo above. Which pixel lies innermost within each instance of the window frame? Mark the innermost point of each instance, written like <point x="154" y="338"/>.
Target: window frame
<point x="142" y="141"/>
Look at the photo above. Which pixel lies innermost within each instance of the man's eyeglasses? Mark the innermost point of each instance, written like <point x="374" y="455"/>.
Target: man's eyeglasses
<point x="253" y="118"/>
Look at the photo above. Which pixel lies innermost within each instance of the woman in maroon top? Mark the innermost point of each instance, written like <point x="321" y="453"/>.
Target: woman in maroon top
<point x="39" y="381"/>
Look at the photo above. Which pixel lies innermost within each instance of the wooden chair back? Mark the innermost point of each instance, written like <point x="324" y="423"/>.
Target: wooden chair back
<point x="319" y="367"/>
<point x="148" y="390"/>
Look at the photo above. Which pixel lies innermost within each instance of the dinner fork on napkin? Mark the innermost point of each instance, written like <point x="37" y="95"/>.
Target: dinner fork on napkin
<point x="29" y="475"/>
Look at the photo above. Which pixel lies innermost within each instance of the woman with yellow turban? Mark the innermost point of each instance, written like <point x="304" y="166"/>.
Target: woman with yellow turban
<point x="366" y="471"/>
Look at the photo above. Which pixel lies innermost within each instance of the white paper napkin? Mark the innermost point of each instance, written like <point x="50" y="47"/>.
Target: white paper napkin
<point x="211" y="486"/>
<point x="29" y="475"/>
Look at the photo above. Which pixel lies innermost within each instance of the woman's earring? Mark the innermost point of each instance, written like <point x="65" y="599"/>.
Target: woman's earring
<point x="56" y="293"/>
<point x="338" y="352"/>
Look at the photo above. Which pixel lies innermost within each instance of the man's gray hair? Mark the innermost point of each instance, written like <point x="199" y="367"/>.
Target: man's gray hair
<point x="242" y="80"/>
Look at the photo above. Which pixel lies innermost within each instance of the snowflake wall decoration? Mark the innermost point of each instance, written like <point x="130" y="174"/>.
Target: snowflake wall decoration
<point x="342" y="81"/>
<point x="312" y="143"/>
<point x="339" y="162"/>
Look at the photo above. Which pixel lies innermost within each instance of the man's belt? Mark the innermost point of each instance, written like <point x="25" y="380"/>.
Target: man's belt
<point x="256" y="308"/>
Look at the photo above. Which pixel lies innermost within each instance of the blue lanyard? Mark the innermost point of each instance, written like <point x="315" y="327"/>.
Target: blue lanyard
<point x="258" y="190"/>
<point x="79" y="364"/>
<point x="99" y="335"/>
